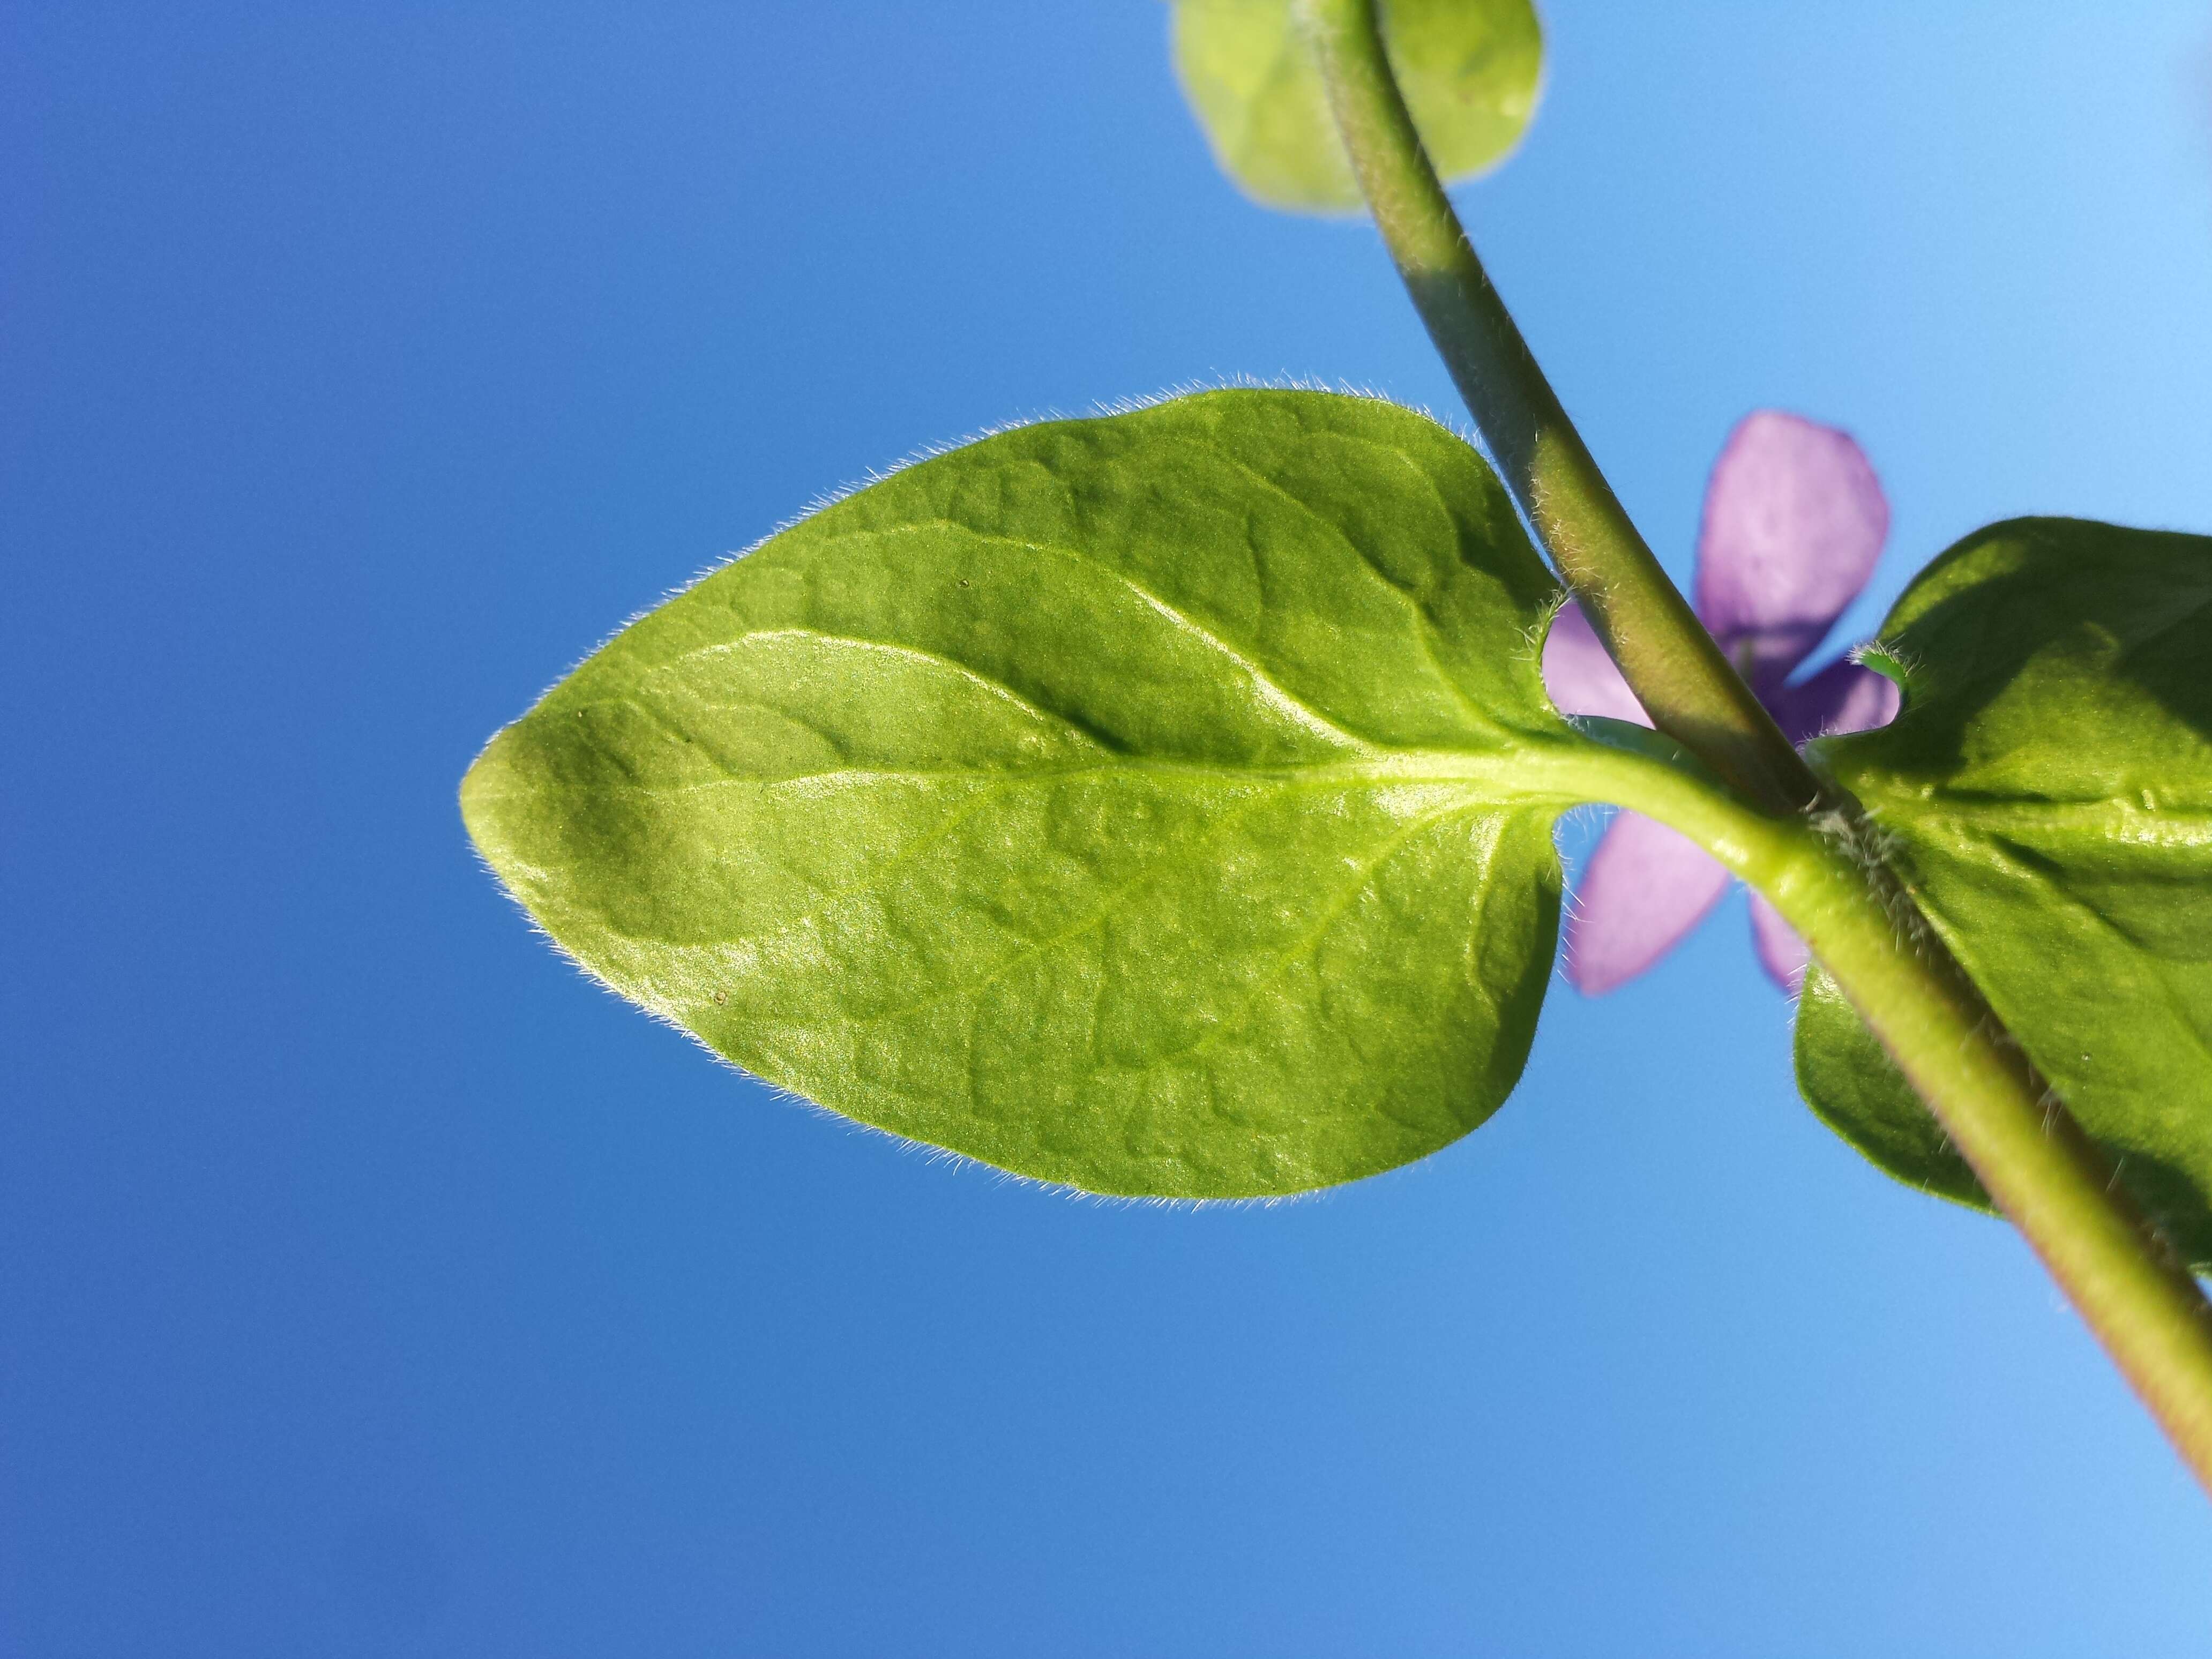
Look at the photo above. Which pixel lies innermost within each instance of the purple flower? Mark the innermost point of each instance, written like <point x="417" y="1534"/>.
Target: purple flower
<point x="1793" y="520"/>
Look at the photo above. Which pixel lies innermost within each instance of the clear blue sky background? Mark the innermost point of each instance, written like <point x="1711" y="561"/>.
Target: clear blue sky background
<point x="370" y="1284"/>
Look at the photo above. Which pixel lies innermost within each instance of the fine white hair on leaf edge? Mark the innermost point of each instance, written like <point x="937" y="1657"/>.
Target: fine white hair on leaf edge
<point x="927" y="1152"/>
<point x="825" y="500"/>
<point x="820" y="503"/>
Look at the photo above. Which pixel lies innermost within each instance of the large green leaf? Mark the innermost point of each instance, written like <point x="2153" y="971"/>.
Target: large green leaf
<point x="1469" y="69"/>
<point x="2048" y="794"/>
<point x="1139" y="803"/>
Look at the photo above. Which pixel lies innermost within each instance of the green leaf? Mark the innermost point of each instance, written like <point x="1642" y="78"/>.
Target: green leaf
<point x="1146" y="803"/>
<point x="2047" y="791"/>
<point x="1856" y="1089"/>
<point x="1469" y="69"/>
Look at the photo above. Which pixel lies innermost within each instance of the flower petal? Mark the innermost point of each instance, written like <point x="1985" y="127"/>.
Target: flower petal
<point x="1642" y="890"/>
<point x="1579" y="676"/>
<point x="1794" y="521"/>
<point x="1781" y="952"/>
<point x="1841" y="697"/>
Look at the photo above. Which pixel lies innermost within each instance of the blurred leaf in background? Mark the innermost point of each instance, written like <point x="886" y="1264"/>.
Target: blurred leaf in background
<point x="1470" y="69"/>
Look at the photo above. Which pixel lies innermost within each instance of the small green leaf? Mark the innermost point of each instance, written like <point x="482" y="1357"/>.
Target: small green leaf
<point x="1469" y="69"/>
<point x="1856" y="1089"/>
<point x="2047" y="791"/>
<point x="1139" y="803"/>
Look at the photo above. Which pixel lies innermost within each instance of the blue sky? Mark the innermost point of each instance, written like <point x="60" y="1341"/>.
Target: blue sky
<point x="371" y="1283"/>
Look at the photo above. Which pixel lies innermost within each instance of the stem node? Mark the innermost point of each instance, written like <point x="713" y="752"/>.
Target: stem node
<point x="1810" y="850"/>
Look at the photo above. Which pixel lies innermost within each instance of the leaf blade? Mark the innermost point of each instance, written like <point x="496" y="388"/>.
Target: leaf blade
<point x="1127" y="803"/>
<point x="1470" y="71"/>
<point x="2048" y="789"/>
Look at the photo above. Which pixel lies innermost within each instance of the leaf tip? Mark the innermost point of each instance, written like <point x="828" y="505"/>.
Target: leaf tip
<point x="487" y="789"/>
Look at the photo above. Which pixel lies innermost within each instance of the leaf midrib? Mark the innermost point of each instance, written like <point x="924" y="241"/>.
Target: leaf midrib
<point x="1491" y="772"/>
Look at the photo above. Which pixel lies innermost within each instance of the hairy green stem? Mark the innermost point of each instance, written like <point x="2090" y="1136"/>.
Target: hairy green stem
<point x="2052" y="1182"/>
<point x="1676" y="670"/>
<point x="1804" y="848"/>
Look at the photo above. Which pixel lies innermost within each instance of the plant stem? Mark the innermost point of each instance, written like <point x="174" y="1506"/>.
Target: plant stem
<point x="2050" y="1179"/>
<point x="1676" y="670"/>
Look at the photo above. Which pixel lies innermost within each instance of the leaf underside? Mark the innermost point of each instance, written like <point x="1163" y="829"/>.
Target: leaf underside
<point x="2047" y="792"/>
<point x="1127" y="803"/>
<point x="1469" y="69"/>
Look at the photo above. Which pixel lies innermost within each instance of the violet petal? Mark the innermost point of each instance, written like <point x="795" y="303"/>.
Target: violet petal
<point x="1579" y="676"/>
<point x="1841" y="697"/>
<point x="1794" y="521"/>
<point x="1780" y="951"/>
<point x="1642" y="890"/>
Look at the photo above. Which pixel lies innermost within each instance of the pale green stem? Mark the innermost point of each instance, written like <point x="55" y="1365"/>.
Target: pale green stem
<point x="2052" y="1182"/>
<point x="1671" y="661"/>
<point x="2033" y="1159"/>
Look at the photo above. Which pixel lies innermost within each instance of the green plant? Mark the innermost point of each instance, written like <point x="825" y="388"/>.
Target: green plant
<point x="1161" y="803"/>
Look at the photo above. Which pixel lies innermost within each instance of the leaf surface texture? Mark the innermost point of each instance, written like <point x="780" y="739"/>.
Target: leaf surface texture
<point x="1137" y="803"/>
<point x="2047" y="794"/>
